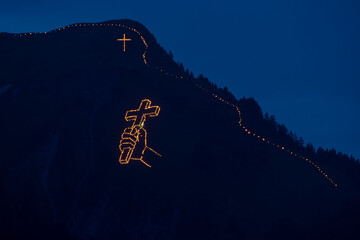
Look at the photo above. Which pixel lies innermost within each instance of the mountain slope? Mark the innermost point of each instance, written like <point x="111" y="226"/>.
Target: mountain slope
<point x="64" y="98"/>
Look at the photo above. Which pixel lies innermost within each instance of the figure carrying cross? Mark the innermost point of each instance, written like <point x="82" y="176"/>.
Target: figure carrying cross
<point x="124" y="39"/>
<point x="134" y="139"/>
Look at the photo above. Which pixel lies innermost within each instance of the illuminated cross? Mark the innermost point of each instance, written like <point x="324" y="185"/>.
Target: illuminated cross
<point x="139" y="115"/>
<point x="123" y="39"/>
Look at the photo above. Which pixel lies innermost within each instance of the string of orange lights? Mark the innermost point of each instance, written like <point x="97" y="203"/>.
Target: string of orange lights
<point x="247" y="131"/>
<point x="282" y="148"/>
<point x="262" y="139"/>
<point x="91" y="25"/>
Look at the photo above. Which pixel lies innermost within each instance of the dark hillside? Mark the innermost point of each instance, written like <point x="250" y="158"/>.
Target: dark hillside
<point x="63" y="101"/>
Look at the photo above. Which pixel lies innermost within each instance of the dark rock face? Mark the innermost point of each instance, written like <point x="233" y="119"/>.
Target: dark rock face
<point x="63" y="97"/>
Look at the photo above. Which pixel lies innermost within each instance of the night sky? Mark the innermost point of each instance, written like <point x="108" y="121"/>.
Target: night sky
<point x="299" y="59"/>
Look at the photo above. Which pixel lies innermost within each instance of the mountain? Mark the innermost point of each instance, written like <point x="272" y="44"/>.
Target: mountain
<point x="213" y="166"/>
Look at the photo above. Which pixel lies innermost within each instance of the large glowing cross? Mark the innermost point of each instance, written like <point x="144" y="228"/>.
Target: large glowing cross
<point x="123" y="39"/>
<point x="139" y="115"/>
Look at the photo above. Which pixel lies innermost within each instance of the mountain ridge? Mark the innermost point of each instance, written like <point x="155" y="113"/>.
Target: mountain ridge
<point x="100" y="91"/>
<point x="134" y="26"/>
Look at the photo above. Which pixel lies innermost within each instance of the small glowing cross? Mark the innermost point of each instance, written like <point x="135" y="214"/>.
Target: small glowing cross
<point x="123" y="39"/>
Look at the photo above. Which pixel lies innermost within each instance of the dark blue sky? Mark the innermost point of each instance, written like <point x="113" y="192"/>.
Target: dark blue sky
<point x="299" y="59"/>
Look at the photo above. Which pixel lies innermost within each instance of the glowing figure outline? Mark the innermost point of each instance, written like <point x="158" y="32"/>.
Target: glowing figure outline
<point x="132" y="135"/>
